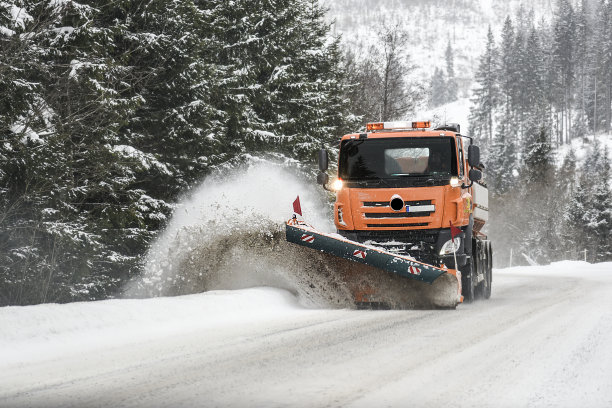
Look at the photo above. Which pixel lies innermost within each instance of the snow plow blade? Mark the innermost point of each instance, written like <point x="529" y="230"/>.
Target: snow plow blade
<point x="407" y="282"/>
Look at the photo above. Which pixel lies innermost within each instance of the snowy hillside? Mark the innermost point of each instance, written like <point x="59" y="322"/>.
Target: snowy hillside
<point x="430" y="25"/>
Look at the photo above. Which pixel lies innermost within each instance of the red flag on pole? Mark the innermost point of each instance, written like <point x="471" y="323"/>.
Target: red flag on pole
<point x="454" y="231"/>
<point x="297" y="208"/>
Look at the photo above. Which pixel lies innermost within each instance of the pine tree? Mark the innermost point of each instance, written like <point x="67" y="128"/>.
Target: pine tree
<point x="519" y="91"/>
<point x="451" y="81"/>
<point x="59" y="159"/>
<point x="507" y="74"/>
<point x="589" y="213"/>
<point x="564" y="33"/>
<point x="537" y="174"/>
<point x="486" y="95"/>
<point x="437" y="88"/>
<point x="502" y="165"/>
<point x="599" y="215"/>
<point x="581" y="44"/>
<point x="283" y="84"/>
<point x="109" y="111"/>
<point x="606" y="68"/>
<point x="566" y="176"/>
<point x="574" y="232"/>
<point x="539" y="160"/>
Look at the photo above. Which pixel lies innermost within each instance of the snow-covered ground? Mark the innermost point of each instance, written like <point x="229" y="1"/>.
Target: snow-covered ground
<point x="581" y="146"/>
<point x="543" y="339"/>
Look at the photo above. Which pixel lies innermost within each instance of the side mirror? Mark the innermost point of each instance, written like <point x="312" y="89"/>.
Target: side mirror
<point x="473" y="156"/>
<point x="323" y="160"/>
<point x="475" y="175"/>
<point x="322" y="178"/>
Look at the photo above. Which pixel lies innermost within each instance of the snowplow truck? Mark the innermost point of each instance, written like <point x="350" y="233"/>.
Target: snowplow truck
<point x="410" y="210"/>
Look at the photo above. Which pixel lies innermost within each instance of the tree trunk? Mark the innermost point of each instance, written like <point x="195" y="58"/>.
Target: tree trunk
<point x="595" y="127"/>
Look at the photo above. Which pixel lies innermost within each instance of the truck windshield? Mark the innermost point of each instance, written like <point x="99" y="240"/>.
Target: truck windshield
<point x="398" y="158"/>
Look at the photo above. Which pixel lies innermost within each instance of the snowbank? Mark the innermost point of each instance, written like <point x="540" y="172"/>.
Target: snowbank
<point x="48" y="331"/>
<point x="575" y="269"/>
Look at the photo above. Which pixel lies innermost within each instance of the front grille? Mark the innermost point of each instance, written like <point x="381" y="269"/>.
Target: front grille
<point x="418" y="243"/>
<point x="429" y="236"/>
<point x="397" y="215"/>
<point x="416" y="224"/>
<point x="376" y="203"/>
<point x="386" y="203"/>
<point x="420" y="202"/>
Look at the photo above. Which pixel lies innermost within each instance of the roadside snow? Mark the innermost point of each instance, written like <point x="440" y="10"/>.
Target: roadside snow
<point x="48" y="331"/>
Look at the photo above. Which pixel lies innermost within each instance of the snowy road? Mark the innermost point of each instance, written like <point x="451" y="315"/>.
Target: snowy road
<point x="544" y="339"/>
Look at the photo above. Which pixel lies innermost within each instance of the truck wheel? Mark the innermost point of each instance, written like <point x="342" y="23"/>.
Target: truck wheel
<point x="489" y="270"/>
<point x="481" y="268"/>
<point x="468" y="277"/>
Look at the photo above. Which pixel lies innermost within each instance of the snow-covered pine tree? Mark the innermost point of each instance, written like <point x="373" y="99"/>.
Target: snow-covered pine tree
<point x="282" y="81"/>
<point x="303" y="104"/>
<point x="437" y="88"/>
<point x="589" y="213"/>
<point x="599" y="213"/>
<point x="62" y="178"/>
<point x="539" y="240"/>
<point x="574" y="234"/>
<point x="486" y="94"/>
<point x="565" y="187"/>
<point x="581" y="43"/>
<point x="518" y="90"/>
<point x="531" y="97"/>
<point x="564" y="33"/>
<point x="330" y="117"/>
<point x="177" y="126"/>
<point x="605" y="25"/>
<point x="507" y="86"/>
<point x="502" y="165"/>
<point x="452" y="89"/>
<point x="566" y="176"/>
<point x="117" y="107"/>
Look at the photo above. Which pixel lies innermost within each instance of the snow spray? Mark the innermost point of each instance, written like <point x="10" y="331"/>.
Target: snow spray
<point x="228" y="233"/>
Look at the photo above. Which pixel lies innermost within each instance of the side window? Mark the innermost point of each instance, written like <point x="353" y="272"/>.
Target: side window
<point x="460" y="144"/>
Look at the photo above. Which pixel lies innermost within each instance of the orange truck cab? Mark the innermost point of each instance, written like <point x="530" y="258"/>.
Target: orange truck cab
<point x="401" y="186"/>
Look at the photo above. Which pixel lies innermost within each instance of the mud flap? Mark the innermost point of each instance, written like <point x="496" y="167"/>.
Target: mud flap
<point x="441" y="288"/>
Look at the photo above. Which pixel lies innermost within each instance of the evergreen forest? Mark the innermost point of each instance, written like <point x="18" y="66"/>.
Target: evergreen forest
<point x="542" y="86"/>
<point x="109" y="111"/>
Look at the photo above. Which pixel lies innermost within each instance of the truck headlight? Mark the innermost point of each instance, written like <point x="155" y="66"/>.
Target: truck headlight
<point x="449" y="246"/>
<point x="337" y="185"/>
<point x="454" y="182"/>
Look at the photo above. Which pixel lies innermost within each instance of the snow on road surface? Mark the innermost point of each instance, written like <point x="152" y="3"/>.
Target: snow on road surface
<point x="543" y="339"/>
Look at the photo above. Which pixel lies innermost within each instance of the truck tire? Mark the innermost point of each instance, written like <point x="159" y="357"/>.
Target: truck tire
<point x="468" y="278"/>
<point x="482" y="263"/>
<point x="489" y="274"/>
